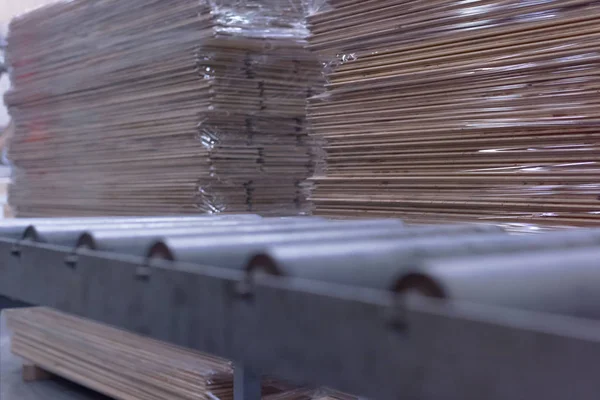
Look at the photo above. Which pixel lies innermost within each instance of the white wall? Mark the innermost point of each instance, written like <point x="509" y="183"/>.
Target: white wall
<point x="8" y="9"/>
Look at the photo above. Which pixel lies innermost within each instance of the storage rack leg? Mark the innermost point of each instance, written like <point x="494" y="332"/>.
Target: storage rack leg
<point x="246" y="383"/>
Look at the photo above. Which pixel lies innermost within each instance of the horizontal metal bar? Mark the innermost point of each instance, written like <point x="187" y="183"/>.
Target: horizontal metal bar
<point x="363" y="341"/>
<point x="141" y="242"/>
<point x="235" y="251"/>
<point x="16" y="228"/>
<point x="125" y="235"/>
<point x="68" y="235"/>
<point x="391" y="260"/>
<point x="560" y="282"/>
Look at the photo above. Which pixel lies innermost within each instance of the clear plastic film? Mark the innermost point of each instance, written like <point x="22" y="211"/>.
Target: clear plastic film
<point x="254" y="130"/>
<point x="460" y="110"/>
<point x="147" y="106"/>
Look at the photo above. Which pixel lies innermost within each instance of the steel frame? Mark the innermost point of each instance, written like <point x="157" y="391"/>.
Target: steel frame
<point x="362" y="341"/>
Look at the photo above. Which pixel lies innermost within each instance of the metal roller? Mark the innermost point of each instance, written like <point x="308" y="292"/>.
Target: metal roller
<point x="236" y="251"/>
<point x="68" y="235"/>
<point x="12" y="231"/>
<point x="15" y="228"/>
<point x="382" y="264"/>
<point x="118" y="220"/>
<point x="560" y="282"/>
<point x="137" y="242"/>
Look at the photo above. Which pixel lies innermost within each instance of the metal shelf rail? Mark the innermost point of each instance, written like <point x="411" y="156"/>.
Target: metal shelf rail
<point x="363" y="340"/>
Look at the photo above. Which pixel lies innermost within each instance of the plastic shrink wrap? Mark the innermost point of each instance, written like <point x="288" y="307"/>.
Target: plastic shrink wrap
<point x="459" y="110"/>
<point x="155" y="106"/>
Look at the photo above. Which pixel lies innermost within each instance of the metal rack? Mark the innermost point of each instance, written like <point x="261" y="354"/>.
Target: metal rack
<point x="366" y="341"/>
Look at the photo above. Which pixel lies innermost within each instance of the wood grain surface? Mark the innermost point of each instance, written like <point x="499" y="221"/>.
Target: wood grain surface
<point x="170" y="106"/>
<point x="113" y="362"/>
<point x="127" y="366"/>
<point x="443" y="110"/>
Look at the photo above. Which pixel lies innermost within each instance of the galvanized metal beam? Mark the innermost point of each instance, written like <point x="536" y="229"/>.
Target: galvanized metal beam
<point x="16" y="228"/>
<point x="364" y="341"/>
<point x="246" y="384"/>
<point x="128" y="235"/>
<point x="382" y="264"/>
<point x="563" y="282"/>
<point x="235" y="251"/>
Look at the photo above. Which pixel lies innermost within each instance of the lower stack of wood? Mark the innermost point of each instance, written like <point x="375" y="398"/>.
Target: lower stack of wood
<point x="118" y="364"/>
<point x="127" y="366"/>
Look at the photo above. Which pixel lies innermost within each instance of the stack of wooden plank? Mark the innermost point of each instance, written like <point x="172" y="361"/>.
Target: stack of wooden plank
<point x="259" y="152"/>
<point x="153" y="106"/>
<point x="119" y="364"/>
<point x="445" y="110"/>
<point x="113" y="362"/>
<point x="127" y="366"/>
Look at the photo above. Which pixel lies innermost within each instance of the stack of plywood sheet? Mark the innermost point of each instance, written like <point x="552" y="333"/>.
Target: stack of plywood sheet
<point x="113" y="362"/>
<point x="446" y="110"/>
<point x="119" y="364"/>
<point x="127" y="366"/>
<point x="153" y="106"/>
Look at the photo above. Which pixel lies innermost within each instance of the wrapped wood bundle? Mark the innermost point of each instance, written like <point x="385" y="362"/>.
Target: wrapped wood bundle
<point x="154" y="106"/>
<point x="453" y="110"/>
<point x="113" y="362"/>
<point x="117" y="363"/>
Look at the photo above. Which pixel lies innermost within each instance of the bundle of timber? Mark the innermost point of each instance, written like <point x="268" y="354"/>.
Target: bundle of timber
<point x="457" y="110"/>
<point x="116" y="363"/>
<point x="154" y="106"/>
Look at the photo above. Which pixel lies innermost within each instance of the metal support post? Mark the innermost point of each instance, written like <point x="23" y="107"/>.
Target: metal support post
<point x="246" y="384"/>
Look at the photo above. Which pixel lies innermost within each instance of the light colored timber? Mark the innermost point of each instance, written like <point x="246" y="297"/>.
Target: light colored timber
<point x="449" y="111"/>
<point x="170" y="107"/>
<point x="117" y="363"/>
